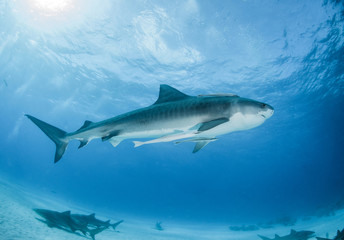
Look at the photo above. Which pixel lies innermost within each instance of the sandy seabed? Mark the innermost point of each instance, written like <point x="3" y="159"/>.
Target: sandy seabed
<point x="18" y="221"/>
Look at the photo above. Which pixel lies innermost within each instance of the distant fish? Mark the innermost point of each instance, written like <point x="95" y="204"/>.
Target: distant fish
<point x="5" y="83"/>
<point x="172" y="117"/>
<point x="339" y="236"/>
<point x="158" y="226"/>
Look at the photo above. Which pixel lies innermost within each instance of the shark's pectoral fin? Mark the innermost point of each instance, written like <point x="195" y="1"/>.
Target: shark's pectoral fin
<point x="200" y="144"/>
<point x="211" y="124"/>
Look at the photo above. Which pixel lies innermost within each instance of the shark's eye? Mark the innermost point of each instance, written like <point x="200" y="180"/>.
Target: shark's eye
<point x="263" y="105"/>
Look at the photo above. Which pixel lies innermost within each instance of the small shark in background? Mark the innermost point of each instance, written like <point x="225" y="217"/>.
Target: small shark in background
<point x="174" y="116"/>
<point x="294" y="235"/>
<point x="88" y="225"/>
<point x="92" y="221"/>
<point x="339" y="236"/>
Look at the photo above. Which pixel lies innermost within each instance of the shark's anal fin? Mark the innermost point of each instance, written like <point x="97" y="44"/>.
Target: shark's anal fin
<point x="211" y="124"/>
<point x="83" y="143"/>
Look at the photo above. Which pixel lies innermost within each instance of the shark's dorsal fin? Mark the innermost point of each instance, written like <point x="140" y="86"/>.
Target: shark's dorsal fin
<point x="66" y="212"/>
<point x="277" y="236"/>
<point x="86" y="124"/>
<point x="169" y="94"/>
<point x="93" y="215"/>
<point x="219" y="95"/>
<point x="292" y="231"/>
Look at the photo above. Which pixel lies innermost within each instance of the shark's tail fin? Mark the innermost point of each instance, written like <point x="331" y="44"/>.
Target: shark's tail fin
<point x="114" y="225"/>
<point x="55" y="134"/>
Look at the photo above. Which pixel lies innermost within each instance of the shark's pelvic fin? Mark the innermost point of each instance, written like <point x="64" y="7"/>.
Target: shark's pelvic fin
<point x="55" y="134"/>
<point x="115" y="141"/>
<point x="170" y="94"/>
<point x="211" y="124"/>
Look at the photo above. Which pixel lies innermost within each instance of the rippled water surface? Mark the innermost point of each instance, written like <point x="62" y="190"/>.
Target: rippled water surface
<point x="68" y="61"/>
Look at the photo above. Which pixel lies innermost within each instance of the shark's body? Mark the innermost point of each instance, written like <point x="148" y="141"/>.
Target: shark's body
<point x="92" y="221"/>
<point x="60" y="220"/>
<point x="173" y="116"/>
<point x="294" y="235"/>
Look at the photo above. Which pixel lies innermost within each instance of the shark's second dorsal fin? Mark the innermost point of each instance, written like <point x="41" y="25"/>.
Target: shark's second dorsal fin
<point x="292" y="231"/>
<point x="277" y="236"/>
<point x="66" y="213"/>
<point x="86" y="124"/>
<point x="93" y="215"/>
<point x="169" y="94"/>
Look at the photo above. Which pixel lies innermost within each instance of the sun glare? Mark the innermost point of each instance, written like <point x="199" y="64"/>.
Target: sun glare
<point x="52" y="7"/>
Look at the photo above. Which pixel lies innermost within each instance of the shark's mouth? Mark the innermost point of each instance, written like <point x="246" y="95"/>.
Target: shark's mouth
<point x="266" y="114"/>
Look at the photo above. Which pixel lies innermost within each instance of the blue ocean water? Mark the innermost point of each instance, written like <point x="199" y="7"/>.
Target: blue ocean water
<point x="68" y="61"/>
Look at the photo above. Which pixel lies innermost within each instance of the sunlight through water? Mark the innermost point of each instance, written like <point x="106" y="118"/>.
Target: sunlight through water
<point x="52" y="7"/>
<point x="50" y="15"/>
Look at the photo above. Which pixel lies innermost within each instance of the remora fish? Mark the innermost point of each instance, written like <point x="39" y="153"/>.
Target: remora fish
<point x="91" y="220"/>
<point x="173" y="116"/>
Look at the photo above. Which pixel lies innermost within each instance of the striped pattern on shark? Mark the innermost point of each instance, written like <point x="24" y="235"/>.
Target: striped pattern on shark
<point x="175" y="116"/>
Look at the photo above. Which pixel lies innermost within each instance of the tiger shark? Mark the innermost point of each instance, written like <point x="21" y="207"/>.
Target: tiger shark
<point x="174" y="116"/>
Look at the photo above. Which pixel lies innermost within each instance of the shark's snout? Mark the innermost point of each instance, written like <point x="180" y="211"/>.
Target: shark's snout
<point x="267" y="111"/>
